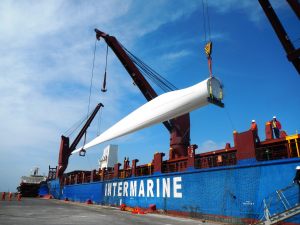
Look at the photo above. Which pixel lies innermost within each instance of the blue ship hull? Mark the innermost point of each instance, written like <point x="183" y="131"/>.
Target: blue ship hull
<point x="222" y="192"/>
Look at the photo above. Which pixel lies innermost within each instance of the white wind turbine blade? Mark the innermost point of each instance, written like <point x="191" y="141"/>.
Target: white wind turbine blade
<point x="160" y="109"/>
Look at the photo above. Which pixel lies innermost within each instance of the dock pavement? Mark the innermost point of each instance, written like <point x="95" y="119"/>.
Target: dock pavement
<point x="36" y="211"/>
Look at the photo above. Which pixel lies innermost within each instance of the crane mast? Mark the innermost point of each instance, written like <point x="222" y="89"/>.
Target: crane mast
<point x="179" y="128"/>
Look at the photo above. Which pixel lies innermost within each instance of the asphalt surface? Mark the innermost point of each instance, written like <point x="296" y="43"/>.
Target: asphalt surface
<point x="34" y="211"/>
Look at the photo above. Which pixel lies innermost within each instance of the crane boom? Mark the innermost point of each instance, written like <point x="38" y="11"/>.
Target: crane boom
<point x="66" y="149"/>
<point x="179" y="127"/>
<point x="293" y="54"/>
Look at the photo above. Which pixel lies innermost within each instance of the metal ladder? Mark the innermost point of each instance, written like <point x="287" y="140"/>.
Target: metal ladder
<point x="290" y="210"/>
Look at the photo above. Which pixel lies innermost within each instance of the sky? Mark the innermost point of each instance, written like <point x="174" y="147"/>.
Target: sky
<point x="47" y="50"/>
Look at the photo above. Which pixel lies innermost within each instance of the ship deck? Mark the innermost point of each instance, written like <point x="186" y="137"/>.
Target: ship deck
<point x="42" y="211"/>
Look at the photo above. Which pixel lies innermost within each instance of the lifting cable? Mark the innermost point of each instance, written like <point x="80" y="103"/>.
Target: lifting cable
<point x="74" y="127"/>
<point x="91" y="85"/>
<point x="150" y="73"/>
<point x="89" y="162"/>
<point x="229" y="118"/>
<point x="207" y="35"/>
<point x="206" y="21"/>
<point x="99" y="122"/>
<point x="146" y="70"/>
<point x="208" y="47"/>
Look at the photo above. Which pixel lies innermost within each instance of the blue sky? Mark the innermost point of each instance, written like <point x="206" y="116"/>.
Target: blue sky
<point x="46" y="61"/>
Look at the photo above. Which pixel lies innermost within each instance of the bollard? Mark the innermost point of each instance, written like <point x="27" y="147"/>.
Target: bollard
<point x="89" y="202"/>
<point x="9" y="196"/>
<point x="19" y="196"/>
<point x="3" y="196"/>
<point x="152" y="207"/>
<point x="123" y="207"/>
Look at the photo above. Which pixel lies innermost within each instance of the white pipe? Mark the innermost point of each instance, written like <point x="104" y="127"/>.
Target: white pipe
<point x="162" y="108"/>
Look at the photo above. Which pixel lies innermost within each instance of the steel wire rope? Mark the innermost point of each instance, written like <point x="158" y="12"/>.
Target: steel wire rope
<point x="206" y="26"/>
<point x="89" y="162"/>
<point x="156" y="75"/>
<point x="91" y="82"/>
<point x="75" y="126"/>
<point x="204" y="20"/>
<point x="150" y="73"/>
<point x="148" y="68"/>
<point x="91" y="85"/>
<point x="229" y="118"/>
<point x="154" y="80"/>
<point x="99" y="123"/>
<point x="208" y="21"/>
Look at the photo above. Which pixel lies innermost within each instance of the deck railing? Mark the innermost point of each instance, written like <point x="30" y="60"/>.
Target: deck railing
<point x="264" y="151"/>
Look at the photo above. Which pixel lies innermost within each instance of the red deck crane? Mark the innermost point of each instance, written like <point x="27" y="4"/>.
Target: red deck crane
<point x="179" y="127"/>
<point x="293" y="54"/>
<point x="66" y="149"/>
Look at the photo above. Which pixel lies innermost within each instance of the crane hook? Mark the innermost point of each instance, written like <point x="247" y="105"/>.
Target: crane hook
<point x="104" y="79"/>
<point x="82" y="152"/>
<point x="103" y="89"/>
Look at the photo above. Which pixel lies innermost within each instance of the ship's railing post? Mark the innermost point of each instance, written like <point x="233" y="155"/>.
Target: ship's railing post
<point x="102" y="174"/>
<point x="126" y="164"/>
<point x="116" y="170"/>
<point x="92" y="175"/>
<point x="290" y="147"/>
<point x="83" y="177"/>
<point x="191" y="157"/>
<point x="133" y="170"/>
<point x="76" y="179"/>
<point x="157" y="162"/>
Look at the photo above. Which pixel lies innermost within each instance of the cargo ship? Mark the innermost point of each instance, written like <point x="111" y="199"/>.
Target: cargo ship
<point x="248" y="183"/>
<point x="31" y="186"/>
<point x="229" y="185"/>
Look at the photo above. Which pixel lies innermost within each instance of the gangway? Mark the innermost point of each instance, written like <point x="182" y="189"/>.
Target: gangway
<point x="284" y="206"/>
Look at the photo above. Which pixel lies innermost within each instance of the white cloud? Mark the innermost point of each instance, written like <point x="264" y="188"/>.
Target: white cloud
<point x="209" y="145"/>
<point x="154" y="14"/>
<point x="176" y="55"/>
<point x="248" y="7"/>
